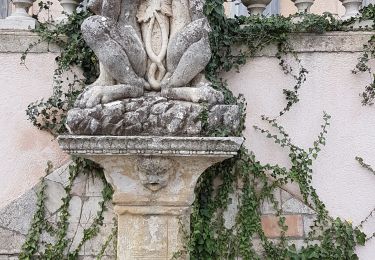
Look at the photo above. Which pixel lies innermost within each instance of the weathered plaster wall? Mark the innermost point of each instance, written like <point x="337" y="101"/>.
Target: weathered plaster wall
<point x="343" y="185"/>
<point x="24" y="150"/>
<point x="346" y="188"/>
<point x="15" y="218"/>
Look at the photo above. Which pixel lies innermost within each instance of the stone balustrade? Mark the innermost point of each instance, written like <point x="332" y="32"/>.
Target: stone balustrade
<point x="258" y="7"/>
<point x="20" y="18"/>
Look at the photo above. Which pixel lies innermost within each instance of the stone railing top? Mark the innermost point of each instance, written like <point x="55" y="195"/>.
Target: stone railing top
<point x="13" y="41"/>
<point x="352" y="41"/>
<point x="150" y="145"/>
<point x="329" y="42"/>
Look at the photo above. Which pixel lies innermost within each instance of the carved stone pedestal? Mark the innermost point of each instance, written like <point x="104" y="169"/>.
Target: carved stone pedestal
<point x="154" y="180"/>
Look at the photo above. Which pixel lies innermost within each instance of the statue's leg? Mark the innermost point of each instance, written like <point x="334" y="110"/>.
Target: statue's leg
<point x="188" y="53"/>
<point x="192" y="62"/>
<point x="204" y="93"/>
<point x="129" y="40"/>
<point x="105" y="94"/>
<point x="104" y="79"/>
<point x="101" y="34"/>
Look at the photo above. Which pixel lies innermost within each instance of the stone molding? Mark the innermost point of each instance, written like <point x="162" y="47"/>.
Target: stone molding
<point x="153" y="178"/>
<point x="15" y="41"/>
<point x="330" y="42"/>
<point x="152" y="210"/>
<point x="150" y="145"/>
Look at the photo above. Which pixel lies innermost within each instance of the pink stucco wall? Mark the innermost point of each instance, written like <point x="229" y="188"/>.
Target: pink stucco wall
<point x="24" y="150"/>
<point x="345" y="187"/>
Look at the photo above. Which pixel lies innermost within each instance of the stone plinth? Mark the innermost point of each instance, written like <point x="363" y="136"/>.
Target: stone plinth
<point x="154" y="180"/>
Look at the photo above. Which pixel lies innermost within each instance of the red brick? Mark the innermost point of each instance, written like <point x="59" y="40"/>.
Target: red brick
<point x="272" y="230"/>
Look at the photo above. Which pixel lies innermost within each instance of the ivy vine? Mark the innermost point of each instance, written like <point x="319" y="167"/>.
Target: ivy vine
<point x="59" y="249"/>
<point x="243" y="176"/>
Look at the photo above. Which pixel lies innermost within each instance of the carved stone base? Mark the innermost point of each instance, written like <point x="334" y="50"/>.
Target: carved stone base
<point x="151" y="115"/>
<point x="154" y="180"/>
<point x="152" y="232"/>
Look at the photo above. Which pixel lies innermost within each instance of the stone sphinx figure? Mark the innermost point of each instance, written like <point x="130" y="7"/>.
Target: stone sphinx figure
<point x="152" y="45"/>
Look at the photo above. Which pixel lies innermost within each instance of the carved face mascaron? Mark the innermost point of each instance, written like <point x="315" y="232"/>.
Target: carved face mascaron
<point x="154" y="172"/>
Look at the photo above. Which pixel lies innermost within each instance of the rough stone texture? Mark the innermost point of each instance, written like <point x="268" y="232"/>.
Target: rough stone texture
<point x="268" y="207"/>
<point x="18" y="24"/>
<point x="154" y="180"/>
<point x="152" y="115"/>
<point x="18" y="214"/>
<point x="330" y="42"/>
<point x="151" y="45"/>
<point x="15" y="41"/>
<point x="10" y="242"/>
<point x="293" y="205"/>
<point x="149" y="145"/>
<point x="15" y="219"/>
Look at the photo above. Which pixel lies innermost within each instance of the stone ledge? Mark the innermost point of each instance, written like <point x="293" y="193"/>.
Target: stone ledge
<point x="352" y="41"/>
<point x="14" y="23"/>
<point x="17" y="41"/>
<point x="149" y="145"/>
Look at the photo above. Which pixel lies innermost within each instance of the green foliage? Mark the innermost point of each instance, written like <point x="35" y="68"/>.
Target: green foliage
<point x="112" y="237"/>
<point x="368" y="95"/>
<point x="49" y="114"/>
<point x="338" y="241"/>
<point x="249" y="180"/>
<point x="60" y="248"/>
<point x="38" y="224"/>
<point x="253" y="34"/>
<point x="243" y="176"/>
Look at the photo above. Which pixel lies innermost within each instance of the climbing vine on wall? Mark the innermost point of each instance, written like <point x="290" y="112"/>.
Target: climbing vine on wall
<point x="35" y="247"/>
<point x="242" y="175"/>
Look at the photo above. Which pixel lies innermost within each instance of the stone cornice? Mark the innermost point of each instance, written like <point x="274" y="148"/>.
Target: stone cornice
<point x="17" y="41"/>
<point x="330" y="42"/>
<point x="150" y="145"/>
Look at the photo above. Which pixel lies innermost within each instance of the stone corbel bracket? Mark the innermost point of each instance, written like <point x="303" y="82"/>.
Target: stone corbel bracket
<point x="154" y="180"/>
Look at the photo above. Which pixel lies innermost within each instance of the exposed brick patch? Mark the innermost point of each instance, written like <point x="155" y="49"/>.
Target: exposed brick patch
<point x="272" y="230"/>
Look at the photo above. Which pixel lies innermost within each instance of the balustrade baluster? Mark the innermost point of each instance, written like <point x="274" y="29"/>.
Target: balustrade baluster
<point x="19" y="18"/>
<point x="351" y="8"/>
<point x="256" y="7"/>
<point x="303" y="6"/>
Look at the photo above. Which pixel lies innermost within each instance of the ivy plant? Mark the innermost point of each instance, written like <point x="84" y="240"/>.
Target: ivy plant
<point x="233" y="42"/>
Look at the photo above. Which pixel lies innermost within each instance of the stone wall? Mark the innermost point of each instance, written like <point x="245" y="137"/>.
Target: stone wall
<point x="16" y="217"/>
<point x="24" y="150"/>
<point x="342" y="184"/>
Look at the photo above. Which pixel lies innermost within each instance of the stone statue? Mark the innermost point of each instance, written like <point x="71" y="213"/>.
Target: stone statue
<point x="152" y="45"/>
<point x="152" y="54"/>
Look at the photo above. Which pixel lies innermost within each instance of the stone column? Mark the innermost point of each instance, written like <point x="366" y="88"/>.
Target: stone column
<point x="154" y="180"/>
